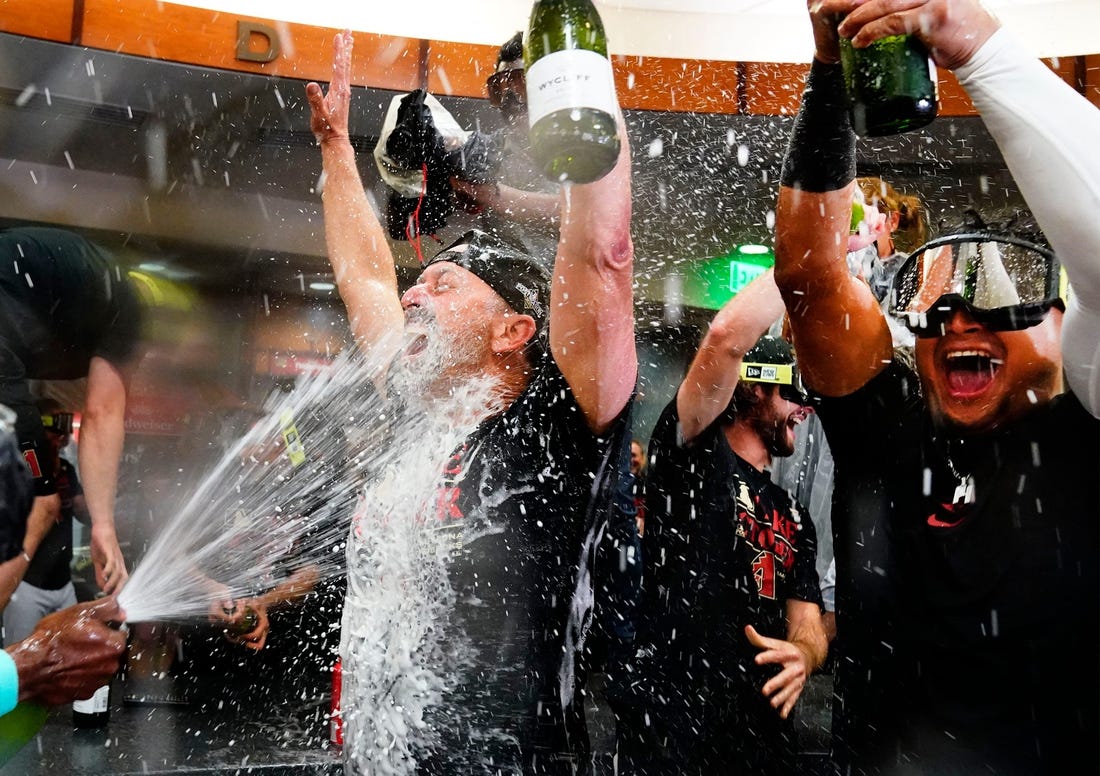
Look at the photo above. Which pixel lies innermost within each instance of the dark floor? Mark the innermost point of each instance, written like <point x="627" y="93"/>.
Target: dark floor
<point x="812" y="722"/>
<point x="238" y="740"/>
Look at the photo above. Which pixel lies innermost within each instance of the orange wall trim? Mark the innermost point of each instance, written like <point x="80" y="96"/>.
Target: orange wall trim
<point x="46" y="19"/>
<point x="163" y="30"/>
<point x="147" y="28"/>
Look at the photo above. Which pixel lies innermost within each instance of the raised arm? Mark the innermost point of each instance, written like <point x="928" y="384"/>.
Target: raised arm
<point x="592" y="297"/>
<point x="1047" y="134"/>
<point x="101" y="437"/>
<point x="708" y="387"/>
<point x="837" y="325"/>
<point x="357" y="246"/>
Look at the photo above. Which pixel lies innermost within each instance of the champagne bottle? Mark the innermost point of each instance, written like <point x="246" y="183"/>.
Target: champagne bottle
<point x="571" y="101"/>
<point x="248" y="622"/>
<point x="891" y="85"/>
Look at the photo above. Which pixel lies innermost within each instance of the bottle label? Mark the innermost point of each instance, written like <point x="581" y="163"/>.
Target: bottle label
<point x="97" y="704"/>
<point x="573" y="78"/>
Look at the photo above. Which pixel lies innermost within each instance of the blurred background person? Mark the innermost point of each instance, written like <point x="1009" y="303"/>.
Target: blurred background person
<point x="898" y="225"/>
<point x="47" y="584"/>
<point x="70" y="312"/>
<point x="637" y="471"/>
<point x="522" y="205"/>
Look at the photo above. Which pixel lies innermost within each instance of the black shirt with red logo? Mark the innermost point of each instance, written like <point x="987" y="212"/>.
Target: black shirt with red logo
<point x="532" y="499"/>
<point x="50" y="568"/>
<point x="724" y="547"/>
<point x="968" y="591"/>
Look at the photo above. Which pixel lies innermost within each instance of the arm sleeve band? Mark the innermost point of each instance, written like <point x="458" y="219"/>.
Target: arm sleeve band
<point x="821" y="154"/>
<point x="1047" y="134"/>
<point x="9" y="683"/>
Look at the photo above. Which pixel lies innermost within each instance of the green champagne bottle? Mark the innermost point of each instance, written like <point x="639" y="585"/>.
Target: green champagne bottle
<point x="891" y="85"/>
<point x="246" y="624"/>
<point x="570" y="92"/>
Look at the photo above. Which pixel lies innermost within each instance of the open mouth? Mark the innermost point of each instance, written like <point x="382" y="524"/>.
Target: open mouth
<point x="970" y="372"/>
<point x="417" y="346"/>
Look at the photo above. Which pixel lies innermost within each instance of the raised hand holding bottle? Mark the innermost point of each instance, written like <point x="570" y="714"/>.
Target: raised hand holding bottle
<point x="570" y="92"/>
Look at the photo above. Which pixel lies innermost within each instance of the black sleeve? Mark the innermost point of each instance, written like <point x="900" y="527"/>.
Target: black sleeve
<point x="16" y="497"/>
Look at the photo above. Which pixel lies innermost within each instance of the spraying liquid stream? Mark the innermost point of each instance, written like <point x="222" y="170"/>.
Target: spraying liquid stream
<point x="339" y="478"/>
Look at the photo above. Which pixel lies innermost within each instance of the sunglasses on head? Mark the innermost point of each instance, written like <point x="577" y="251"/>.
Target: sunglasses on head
<point x="1004" y="282"/>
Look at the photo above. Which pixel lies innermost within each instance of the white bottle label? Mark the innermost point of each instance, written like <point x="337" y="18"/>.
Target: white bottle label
<point x="96" y="704"/>
<point x="570" y="79"/>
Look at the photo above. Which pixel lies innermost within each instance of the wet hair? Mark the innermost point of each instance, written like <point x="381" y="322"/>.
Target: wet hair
<point x="912" y="215"/>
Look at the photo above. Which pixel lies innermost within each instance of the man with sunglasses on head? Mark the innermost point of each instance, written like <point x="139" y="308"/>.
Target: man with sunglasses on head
<point x="966" y="501"/>
<point x="522" y="205"/>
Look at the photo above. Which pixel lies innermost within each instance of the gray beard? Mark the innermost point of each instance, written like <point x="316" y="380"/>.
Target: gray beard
<point x="414" y="378"/>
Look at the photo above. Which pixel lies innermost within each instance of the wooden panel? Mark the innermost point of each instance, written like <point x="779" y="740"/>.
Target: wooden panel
<point x="460" y="69"/>
<point x="149" y="28"/>
<point x="660" y="83"/>
<point x="643" y="83"/>
<point x="952" y="97"/>
<point x="1092" y="79"/>
<point x="48" y="19"/>
<point x="773" y="89"/>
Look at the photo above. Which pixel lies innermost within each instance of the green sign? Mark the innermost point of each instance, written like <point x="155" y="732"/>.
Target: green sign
<point x="710" y="283"/>
<point x="744" y="272"/>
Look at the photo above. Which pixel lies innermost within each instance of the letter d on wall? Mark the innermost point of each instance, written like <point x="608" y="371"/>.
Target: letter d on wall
<point x="245" y="33"/>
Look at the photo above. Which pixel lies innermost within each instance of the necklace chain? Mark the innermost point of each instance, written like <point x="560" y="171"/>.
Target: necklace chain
<point x="964" y="488"/>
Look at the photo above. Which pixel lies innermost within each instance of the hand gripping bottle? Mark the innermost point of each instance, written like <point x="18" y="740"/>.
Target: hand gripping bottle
<point x="571" y="101"/>
<point x="891" y="85"/>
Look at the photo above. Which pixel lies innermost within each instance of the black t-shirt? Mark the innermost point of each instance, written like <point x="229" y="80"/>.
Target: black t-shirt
<point x="67" y="301"/>
<point x="529" y="498"/>
<point x="968" y="633"/>
<point x="63" y="300"/>
<point x="50" y="568"/>
<point x="724" y="547"/>
<point x="16" y="494"/>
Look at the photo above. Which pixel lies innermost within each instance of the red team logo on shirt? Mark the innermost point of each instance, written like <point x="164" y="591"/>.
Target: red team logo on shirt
<point x="448" y="493"/>
<point x="772" y="536"/>
<point x="31" y="457"/>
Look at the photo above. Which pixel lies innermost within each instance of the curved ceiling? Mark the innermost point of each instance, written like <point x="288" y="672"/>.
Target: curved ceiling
<point x="736" y="30"/>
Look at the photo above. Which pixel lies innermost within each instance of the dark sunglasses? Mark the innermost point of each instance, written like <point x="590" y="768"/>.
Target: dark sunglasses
<point x="1004" y="282"/>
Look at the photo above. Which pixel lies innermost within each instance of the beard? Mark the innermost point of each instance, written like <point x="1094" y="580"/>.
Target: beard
<point x="430" y="358"/>
<point x="772" y="429"/>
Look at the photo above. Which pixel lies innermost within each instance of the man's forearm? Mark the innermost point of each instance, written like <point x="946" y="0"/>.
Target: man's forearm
<point x="358" y="250"/>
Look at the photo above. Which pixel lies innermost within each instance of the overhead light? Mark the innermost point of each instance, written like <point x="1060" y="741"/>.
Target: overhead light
<point x="753" y="250"/>
<point x="322" y="285"/>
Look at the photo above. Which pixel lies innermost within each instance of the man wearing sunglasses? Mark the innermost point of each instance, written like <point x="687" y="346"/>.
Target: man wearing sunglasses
<point x="522" y="205"/>
<point x="966" y="502"/>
